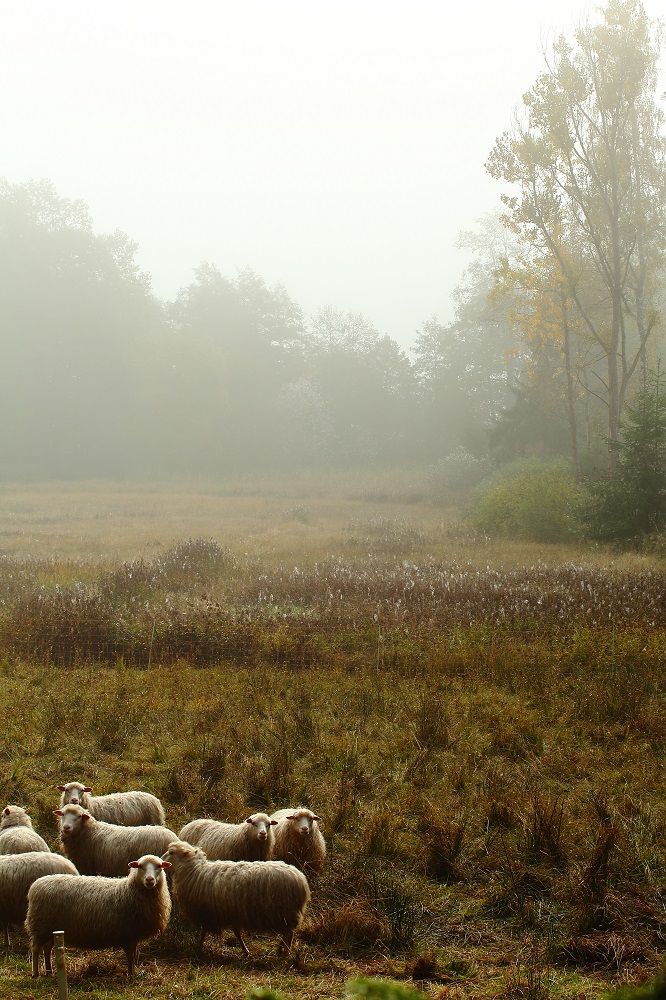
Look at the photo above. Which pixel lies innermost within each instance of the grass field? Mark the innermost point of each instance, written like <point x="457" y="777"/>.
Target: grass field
<point x="481" y="725"/>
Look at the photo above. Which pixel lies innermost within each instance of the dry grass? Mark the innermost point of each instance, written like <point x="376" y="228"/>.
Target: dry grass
<point x="481" y="727"/>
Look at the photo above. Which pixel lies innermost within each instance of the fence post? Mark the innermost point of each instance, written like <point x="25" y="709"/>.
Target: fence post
<point x="59" y="950"/>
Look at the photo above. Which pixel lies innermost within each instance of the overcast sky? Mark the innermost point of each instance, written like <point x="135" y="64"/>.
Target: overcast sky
<point x="337" y="148"/>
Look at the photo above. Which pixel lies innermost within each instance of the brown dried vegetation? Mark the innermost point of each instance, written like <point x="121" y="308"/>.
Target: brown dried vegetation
<point x="483" y="740"/>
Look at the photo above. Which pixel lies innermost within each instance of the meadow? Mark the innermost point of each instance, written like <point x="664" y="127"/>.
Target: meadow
<point x="480" y="724"/>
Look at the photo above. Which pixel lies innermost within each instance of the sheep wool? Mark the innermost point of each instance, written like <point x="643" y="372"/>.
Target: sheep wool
<point x="98" y="848"/>
<point x="251" y="840"/>
<point x="17" y="873"/>
<point x="255" y="896"/>
<point x="98" y="912"/>
<point x="16" y="832"/>
<point x="121" y="808"/>
<point x="298" y="839"/>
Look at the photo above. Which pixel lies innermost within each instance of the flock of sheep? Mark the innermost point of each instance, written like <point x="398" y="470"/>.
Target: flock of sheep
<point x="120" y="865"/>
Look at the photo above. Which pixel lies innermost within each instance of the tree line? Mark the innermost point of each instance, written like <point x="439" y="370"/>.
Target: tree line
<point x="557" y="318"/>
<point x="100" y="378"/>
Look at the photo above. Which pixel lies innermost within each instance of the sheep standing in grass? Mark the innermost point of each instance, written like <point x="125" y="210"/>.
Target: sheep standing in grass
<point x="261" y="896"/>
<point x="98" y="848"/>
<point x="251" y="840"/>
<point x="16" y="833"/>
<point x="98" y="912"/>
<point x="17" y="873"/>
<point x="298" y="840"/>
<point x="122" y="808"/>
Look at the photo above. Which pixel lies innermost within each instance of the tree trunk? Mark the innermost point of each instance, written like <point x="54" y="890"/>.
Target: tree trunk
<point x="571" y="413"/>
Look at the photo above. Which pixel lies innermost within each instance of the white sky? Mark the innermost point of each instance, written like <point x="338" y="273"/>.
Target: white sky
<point x="338" y="148"/>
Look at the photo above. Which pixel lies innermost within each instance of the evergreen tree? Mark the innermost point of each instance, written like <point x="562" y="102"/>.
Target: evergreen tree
<point x="634" y="503"/>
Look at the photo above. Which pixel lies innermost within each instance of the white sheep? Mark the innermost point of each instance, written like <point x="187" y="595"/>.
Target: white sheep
<point x="298" y="839"/>
<point x="251" y="840"/>
<point x="17" y="873"/>
<point x="17" y="835"/>
<point x="259" y="896"/>
<point x="98" y="912"/>
<point x="122" y="808"/>
<point x="99" y="848"/>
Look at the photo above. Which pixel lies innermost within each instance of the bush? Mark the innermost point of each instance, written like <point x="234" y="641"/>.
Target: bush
<point x="381" y="989"/>
<point x="532" y="500"/>
<point x="457" y="473"/>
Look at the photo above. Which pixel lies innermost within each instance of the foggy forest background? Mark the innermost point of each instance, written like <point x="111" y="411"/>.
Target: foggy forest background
<point x="557" y="324"/>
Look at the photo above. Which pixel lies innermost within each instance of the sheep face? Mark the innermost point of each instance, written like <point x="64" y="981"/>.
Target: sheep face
<point x="261" y="825"/>
<point x="72" y="819"/>
<point x="302" y="821"/>
<point x="149" y="870"/>
<point x="179" y="852"/>
<point x="73" y="792"/>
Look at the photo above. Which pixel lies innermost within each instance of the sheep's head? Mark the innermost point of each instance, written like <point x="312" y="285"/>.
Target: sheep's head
<point x="14" y="816"/>
<point x="303" y="821"/>
<point x="73" y="792"/>
<point x="261" y="825"/>
<point x="180" y="851"/>
<point x="149" y="870"/>
<point x="72" y="819"/>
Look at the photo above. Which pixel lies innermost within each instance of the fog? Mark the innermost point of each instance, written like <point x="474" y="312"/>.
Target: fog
<point x="336" y="148"/>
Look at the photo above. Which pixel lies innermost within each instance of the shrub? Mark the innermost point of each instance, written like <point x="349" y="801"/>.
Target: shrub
<point x="381" y="989"/>
<point x="457" y="472"/>
<point x="532" y="500"/>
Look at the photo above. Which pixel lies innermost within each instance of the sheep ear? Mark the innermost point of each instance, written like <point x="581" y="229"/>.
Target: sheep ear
<point x="249" y="819"/>
<point x="61" y="788"/>
<point x="166" y="864"/>
<point x="290" y="817"/>
<point x="86" y="789"/>
<point x="58" y="812"/>
<point x="85" y="817"/>
<point x="274" y="822"/>
<point x="316" y="819"/>
<point x="5" y="811"/>
<point x="132" y="864"/>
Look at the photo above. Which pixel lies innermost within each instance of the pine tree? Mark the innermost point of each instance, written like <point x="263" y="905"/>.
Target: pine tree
<point x="633" y="505"/>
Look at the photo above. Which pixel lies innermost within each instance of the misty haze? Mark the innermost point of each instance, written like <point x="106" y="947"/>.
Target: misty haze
<point x="333" y="500"/>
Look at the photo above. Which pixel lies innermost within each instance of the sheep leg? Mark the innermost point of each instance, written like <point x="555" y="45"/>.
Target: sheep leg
<point x="286" y="941"/>
<point x="237" y="932"/>
<point x="130" y="954"/>
<point x="35" y="962"/>
<point x="48" y="948"/>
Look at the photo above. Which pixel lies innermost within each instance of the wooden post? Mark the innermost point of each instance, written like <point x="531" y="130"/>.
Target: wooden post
<point x="59" y="950"/>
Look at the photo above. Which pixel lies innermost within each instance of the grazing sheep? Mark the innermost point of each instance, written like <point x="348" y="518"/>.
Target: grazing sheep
<point x="16" y="833"/>
<point x="298" y="839"/>
<point x="98" y="912"/>
<point x="121" y="808"/>
<point x="261" y="896"/>
<point x="17" y="873"/>
<point x="98" y="848"/>
<point x="251" y="840"/>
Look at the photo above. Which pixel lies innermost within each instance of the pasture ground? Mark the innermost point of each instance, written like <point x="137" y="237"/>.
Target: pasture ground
<point x="481" y="724"/>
